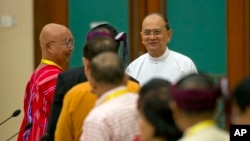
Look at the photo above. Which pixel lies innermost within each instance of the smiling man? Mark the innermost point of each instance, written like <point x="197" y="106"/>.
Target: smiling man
<point x="159" y="62"/>
<point x="57" y="44"/>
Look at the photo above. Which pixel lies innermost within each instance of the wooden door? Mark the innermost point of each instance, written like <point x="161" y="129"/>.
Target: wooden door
<point x="47" y="11"/>
<point x="238" y="36"/>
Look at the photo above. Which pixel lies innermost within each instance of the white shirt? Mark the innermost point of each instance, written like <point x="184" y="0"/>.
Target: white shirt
<point x="113" y="120"/>
<point x="170" y="66"/>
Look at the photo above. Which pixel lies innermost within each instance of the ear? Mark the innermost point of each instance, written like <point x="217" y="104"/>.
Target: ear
<point x="142" y="41"/>
<point x="86" y="65"/>
<point x="48" y="47"/>
<point x="169" y="32"/>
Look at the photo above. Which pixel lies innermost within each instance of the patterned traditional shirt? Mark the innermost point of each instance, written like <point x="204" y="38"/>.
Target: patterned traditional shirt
<point x="37" y="102"/>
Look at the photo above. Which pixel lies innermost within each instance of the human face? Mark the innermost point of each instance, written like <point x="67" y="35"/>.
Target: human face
<point x="62" y="48"/>
<point x="154" y="35"/>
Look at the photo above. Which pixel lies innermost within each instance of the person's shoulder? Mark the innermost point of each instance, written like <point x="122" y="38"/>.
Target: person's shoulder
<point x="111" y="109"/>
<point x="221" y="131"/>
<point x="122" y="104"/>
<point x="46" y="74"/>
<point x="77" y="70"/>
<point x="80" y="95"/>
<point x="132" y="96"/>
<point x="210" y="133"/>
<point x="133" y="86"/>
<point x="139" y="59"/>
<point x="47" y="70"/>
<point x="79" y="88"/>
<point x="124" y="100"/>
<point x="73" y="76"/>
<point x="98" y="114"/>
<point x="179" y="56"/>
<point x="135" y="65"/>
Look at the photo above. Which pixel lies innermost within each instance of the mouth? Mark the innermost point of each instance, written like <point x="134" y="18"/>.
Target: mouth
<point x="152" y="43"/>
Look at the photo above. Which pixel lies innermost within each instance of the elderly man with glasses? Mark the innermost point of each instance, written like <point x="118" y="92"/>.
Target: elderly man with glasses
<point x="56" y="43"/>
<point x="160" y="61"/>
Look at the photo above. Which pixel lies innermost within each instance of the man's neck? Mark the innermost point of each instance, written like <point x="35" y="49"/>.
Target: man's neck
<point x="105" y="88"/>
<point x="158" y="54"/>
<point x="189" y="121"/>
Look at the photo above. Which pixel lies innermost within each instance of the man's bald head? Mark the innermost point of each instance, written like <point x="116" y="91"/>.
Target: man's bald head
<point x="56" y="43"/>
<point x="157" y="17"/>
<point x="51" y="32"/>
<point x="107" y="68"/>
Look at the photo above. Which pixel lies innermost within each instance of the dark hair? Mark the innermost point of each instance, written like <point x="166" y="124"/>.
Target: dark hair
<point x="199" y="81"/>
<point x="108" y="68"/>
<point x="154" y="104"/>
<point x="241" y="94"/>
<point x="97" y="45"/>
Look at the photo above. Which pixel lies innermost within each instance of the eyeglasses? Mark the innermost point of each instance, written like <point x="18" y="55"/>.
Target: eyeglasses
<point x="69" y="42"/>
<point x="152" y="32"/>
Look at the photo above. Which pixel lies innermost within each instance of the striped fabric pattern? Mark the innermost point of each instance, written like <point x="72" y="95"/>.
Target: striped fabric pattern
<point x="37" y="102"/>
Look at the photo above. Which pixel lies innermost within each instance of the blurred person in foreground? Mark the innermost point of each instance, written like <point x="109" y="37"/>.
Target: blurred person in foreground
<point x="114" y="117"/>
<point x="241" y="103"/>
<point x="193" y="105"/>
<point x="156" y="121"/>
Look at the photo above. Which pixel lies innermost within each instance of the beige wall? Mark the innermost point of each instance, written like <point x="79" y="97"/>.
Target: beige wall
<point x="16" y="61"/>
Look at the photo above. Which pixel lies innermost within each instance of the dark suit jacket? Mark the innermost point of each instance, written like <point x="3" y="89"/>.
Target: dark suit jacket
<point x="65" y="81"/>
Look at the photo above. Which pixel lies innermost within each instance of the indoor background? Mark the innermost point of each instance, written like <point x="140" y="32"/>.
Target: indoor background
<point x="201" y="30"/>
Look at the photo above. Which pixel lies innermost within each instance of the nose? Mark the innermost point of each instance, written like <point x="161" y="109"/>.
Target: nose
<point x="152" y="36"/>
<point x="71" y="48"/>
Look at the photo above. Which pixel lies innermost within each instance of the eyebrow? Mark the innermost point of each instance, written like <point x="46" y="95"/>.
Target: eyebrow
<point x="156" y="29"/>
<point x="148" y="29"/>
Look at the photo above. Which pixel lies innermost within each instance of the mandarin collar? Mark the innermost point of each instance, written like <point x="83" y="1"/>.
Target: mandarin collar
<point x="161" y="58"/>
